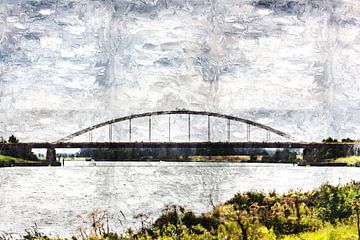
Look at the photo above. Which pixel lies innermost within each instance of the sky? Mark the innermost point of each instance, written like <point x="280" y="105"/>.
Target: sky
<point x="66" y="65"/>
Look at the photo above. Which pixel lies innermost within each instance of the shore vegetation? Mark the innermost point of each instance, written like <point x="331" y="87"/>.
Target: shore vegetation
<point x="8" y="161"/>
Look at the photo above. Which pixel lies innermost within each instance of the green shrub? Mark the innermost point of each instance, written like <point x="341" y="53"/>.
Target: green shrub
<point x="333" y="203"/>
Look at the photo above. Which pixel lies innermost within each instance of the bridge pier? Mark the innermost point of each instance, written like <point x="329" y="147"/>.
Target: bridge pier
<point x="51" y="156"/>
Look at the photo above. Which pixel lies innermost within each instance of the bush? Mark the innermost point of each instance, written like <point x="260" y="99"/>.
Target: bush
<point x="333" y="203"/>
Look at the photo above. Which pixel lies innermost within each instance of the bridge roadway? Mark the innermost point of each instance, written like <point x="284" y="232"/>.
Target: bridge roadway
<point x="172" y="144"/>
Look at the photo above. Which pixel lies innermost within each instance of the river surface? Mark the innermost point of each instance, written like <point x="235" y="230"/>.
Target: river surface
<point x="52" y="197"/>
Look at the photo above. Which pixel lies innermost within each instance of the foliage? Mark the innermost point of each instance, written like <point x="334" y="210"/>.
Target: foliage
<point x="347" y="140"/>
<point x="331" y="151"/>
<point x="346" y="231"/>
<point x="8" y="161"/>
<point x="333" y="203"/>
<point x="94" y="224"/>
<point x="285" y="155"/>
<point x="13" y="139"/>
<point x="23" y="152"/>
<point x="173" y="154"/>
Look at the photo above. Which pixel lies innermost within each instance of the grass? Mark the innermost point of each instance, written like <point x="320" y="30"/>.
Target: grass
<point x="348" y="160"/>
<point x="7" y="161"/>
<point x="328" y="232"/>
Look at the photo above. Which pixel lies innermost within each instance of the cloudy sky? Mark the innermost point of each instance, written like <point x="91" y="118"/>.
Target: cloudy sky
<point x="292" y="65"/>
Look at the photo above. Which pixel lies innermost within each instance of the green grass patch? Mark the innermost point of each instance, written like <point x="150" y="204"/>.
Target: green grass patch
<point x="328" y="232"/>
<point x="8" y="161"/>
<point x="9" y="158"/>
<point x="352" y="160"/>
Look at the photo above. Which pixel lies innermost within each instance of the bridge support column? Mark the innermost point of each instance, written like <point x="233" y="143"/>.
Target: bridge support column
<point x="110" y="133"/>
<point x="209" y="136"/>
<point x="51" y="156"/>
<point x="90" y="136"/>
<point x="189" y="127"/>
<point x="130" y="130"/>
<point x="248" y="133"/>
<point x="169" y="129"/>
<point x="150" y="129"/>
<point x="228" y="130"/>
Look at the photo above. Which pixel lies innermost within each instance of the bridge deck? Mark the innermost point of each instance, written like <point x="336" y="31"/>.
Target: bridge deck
<point x="172" y="144"/>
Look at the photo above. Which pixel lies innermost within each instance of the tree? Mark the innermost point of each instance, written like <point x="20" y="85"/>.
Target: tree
<point x="247" y="208"/>
<point x="13" y="139"/>
<point x="333" y="203"/>
<point x="347" y="140"/>
<point x="329" y="139"/>
<point x="356" y="209"/>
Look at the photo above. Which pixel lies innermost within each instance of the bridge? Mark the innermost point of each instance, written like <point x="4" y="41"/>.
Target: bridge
<point x="189" y="114"/>
<point x="226" y="144"/>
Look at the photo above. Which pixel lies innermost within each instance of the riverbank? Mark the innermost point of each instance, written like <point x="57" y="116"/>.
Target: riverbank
<point x="350" y="161"/>
<point x="329" y="212"/>
<point x="8" y="161"/>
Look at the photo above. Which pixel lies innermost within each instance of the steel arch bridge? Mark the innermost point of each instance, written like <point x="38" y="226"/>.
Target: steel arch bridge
<point x="178" y="112"/>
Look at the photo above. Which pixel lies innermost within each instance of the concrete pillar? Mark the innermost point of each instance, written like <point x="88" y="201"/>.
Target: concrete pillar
<point x="51" y="156"/>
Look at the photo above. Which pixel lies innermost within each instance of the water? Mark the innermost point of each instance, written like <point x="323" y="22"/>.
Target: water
<point x="52" y="197"/>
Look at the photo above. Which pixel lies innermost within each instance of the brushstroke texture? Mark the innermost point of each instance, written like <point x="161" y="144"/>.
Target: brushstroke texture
<point x="293" y="65"/>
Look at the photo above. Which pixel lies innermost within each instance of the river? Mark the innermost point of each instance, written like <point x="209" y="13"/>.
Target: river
<point x="52" y="197"/>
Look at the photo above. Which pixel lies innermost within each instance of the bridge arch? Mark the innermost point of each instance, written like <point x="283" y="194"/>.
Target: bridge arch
<point x="174" y="112"/>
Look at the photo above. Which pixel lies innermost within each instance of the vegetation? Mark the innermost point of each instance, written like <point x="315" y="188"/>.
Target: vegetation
<point x="341" y="231"/>
<point x="330" y="152"/>
<point x="23" y="153"/>
<point x="330" y="212"/>
<point x="190" y="154"/>
<point x="13" y="139"/>
<point x="350" y="161"/>
<point x="8" y="161"/>
<point x="334" y="140"/>
<point x="283" y="156"/>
